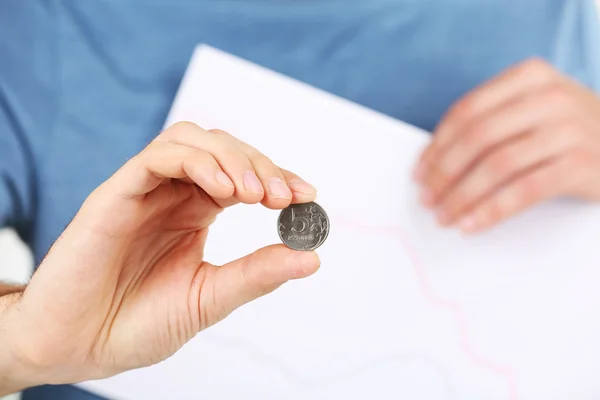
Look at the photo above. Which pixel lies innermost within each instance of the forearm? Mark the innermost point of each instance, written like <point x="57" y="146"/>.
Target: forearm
<point x="10" y="381"/>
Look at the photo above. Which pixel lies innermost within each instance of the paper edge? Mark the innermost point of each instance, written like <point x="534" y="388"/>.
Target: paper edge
<point x="201" y="49"/>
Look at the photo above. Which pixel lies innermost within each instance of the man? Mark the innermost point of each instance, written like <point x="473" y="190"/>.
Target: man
<point x="86" y="85"/>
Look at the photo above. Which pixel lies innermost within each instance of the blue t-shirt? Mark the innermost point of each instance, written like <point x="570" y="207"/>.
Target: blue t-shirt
<point x="84" y="85"/>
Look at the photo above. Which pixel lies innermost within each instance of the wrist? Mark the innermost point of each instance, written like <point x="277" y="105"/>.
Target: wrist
<point x="13" y="375"/>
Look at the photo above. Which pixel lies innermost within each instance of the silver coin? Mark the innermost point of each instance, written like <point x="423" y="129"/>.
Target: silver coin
<point x="303" y="226"/>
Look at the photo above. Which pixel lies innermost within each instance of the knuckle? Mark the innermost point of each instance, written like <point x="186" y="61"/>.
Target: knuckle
<point x="254" y="154"/>
<point x="471" y="144"/>
<point x="536" y="66"/>
<point x="196" y="155"/>
<point x="231" y="151"/>
<point x="179" y="129"/>
<point x="558" y="97"/>
<point x="464" y="110"/>
<point x="150" y="150"/>
<point x="219" y="132"/>
<point x="256" y="157"/>
<point x="482" y="133"/>
<point x="184" y="125"/>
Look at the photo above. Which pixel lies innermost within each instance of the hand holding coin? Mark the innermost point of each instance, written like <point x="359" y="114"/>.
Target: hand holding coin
<point x="133" y="284"/>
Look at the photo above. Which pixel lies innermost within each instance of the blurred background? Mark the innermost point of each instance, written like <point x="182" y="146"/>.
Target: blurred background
<point x="16" y="260"/>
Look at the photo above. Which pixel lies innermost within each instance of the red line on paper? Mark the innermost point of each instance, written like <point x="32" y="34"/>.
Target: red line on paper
<point x="440" y="302"/>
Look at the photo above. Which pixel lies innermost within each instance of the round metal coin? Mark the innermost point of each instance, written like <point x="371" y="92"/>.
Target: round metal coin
<point x="303" y="226"/>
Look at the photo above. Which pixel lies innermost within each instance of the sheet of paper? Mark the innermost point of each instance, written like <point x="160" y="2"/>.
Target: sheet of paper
<point x="400" y="308"/>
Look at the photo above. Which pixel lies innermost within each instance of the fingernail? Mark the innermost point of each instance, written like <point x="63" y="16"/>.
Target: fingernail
<point x="467" y="224"/>
<point x="279" y="189"/>
<point x="299" y="185"/>
<point x="426" y="197"/>
<point x="251" y="183"/>
<point x="224" y="180"/>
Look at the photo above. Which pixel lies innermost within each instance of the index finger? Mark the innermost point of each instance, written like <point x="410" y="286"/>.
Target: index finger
<point x="302" y="192"/>
<point x="226" y="149"/>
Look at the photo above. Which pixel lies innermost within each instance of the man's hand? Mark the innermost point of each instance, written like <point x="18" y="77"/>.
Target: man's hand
<point x="126" y="285"/>
<point x="526" y="136"/>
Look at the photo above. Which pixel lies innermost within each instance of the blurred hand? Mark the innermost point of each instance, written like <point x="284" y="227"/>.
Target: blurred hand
<point x="526" y="136"/>
<point x="126" y="285"/>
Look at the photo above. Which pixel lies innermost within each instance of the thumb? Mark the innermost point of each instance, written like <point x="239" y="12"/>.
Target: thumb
<point x="251" y="277"/>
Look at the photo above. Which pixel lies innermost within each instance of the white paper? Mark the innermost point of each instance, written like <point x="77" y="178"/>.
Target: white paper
<point x="400" y="309"/>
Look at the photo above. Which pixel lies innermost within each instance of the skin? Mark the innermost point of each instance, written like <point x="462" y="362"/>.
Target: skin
<point x="528" y="135"/>
<point x="126" y="285"/>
